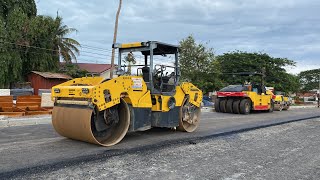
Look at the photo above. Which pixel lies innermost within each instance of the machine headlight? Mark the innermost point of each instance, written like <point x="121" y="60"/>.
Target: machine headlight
<point x="85" y="90"/>
<point x="56" y="90"/>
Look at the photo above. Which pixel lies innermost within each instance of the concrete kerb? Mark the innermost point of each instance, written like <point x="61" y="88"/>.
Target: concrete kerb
<point x="207" y="109"/>
<point x="24" y="121"/>
<point x="211" y="109"/>
<point x="298" y="107"/>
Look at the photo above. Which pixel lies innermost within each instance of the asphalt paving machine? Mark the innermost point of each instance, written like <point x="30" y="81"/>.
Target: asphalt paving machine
<point x="101" y="111"/>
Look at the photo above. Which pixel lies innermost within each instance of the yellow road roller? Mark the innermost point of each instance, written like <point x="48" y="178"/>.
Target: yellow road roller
<point x="282" y="102"/>
<point x="101" y="111"/>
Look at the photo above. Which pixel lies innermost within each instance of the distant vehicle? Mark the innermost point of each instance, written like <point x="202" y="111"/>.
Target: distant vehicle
<point x="206" y="103"/>
<point x="207" y="98"/>
<point x="244" y="98"/>
<point x="282" y="103"/>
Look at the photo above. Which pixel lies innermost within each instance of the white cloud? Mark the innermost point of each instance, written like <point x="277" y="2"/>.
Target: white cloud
<point x="302" y="67"/>
<point x="281" y="28"/>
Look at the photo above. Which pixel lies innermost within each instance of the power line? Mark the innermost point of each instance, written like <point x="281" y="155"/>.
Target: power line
<point x="53" y="50"/>
<point x="21" y="50"/>
<point x="81" y="51"/>
<point x="95" y="48"/>
<point x="141" y="58"/>
<point x="81" y="44"/>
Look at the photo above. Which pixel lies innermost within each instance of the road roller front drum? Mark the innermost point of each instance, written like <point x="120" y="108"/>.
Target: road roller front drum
<point x="105" y="128"/>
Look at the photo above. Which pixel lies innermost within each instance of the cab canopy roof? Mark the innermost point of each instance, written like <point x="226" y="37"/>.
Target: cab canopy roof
<point x="159" y="48"/>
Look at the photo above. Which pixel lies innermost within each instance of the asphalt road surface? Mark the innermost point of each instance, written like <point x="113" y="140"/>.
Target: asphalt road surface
<point x="289" y="151"/>
<point x="220" y="149"/>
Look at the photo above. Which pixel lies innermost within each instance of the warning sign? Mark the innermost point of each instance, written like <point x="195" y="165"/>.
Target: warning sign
<point x="137" y="83"/>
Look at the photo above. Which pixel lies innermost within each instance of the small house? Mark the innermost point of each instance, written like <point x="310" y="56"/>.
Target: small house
<point x="46" y="80"/>
<point x="102" y="70"/>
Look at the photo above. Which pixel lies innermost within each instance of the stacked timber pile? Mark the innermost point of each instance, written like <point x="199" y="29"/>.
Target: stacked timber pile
<point x="25" y="105"/>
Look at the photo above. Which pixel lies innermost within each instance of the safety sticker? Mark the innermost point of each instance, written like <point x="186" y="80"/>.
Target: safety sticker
<point x="137" y="83"/>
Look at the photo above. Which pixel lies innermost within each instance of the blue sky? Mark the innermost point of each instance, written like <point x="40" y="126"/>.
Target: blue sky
<point x="287" y="28"/>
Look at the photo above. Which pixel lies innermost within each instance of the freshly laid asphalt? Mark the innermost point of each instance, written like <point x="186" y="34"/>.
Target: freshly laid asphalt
<point x="288" y="151"/>
<point x="28" y="149"/>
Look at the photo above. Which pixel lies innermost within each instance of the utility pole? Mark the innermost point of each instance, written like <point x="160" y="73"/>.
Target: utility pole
<point x="115" y="39"/>
<point x="319" y="93"/>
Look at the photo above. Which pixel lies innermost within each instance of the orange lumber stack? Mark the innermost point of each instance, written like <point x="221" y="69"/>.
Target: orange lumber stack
<point x="31" y="105"/>
<point x="7" y="107"/>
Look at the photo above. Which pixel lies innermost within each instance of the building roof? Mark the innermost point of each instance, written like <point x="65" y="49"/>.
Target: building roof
<point x="50" y="75"/>
<point x="94" y="68"/>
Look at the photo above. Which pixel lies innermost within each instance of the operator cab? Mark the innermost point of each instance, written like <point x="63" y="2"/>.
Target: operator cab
<point x="160" y="77"/>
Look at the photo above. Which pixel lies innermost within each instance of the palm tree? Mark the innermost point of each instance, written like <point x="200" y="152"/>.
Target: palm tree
<point x="66" y="48"/>
<point x="129" y="59"/>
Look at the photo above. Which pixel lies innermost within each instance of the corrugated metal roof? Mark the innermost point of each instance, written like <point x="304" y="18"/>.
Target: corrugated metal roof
<point x="94" y="68"/>
<point x="51" y="75"/>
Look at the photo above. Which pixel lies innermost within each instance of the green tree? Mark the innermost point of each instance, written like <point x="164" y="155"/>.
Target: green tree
<point x="73" y="70"/>
<point x="66" y="47"/>
<point x="28" y="7"/>
<point x="309" y="79"/>
<point x="4" y="56"/>
<point x="29" y="42"/>
<point x="198" y="65"/>
<point x="37" y="54"/>
<point x="15" y="41"/>
<point x="272" y="68"/>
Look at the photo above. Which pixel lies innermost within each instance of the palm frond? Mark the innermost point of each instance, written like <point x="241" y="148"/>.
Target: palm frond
<point x="71" y="41"/>
<point x="72" y="47"/>
<point x="73" y="56"/>
<point x="68" y="47"/>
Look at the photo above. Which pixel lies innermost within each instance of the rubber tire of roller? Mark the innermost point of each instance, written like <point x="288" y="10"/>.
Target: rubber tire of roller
<point x="229" y="106"/>
<point x="217" y="105"/>
<point x="223" y="104"/>
<point x="236" y="106"/>
<point x="245" y="106"/>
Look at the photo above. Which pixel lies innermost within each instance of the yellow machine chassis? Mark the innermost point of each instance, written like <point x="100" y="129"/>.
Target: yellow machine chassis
<point x="78" y="100"/>
<point x="243" y="102"/>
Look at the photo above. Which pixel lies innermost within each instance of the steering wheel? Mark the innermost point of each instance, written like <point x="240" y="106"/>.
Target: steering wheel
<point x="161" y="69"/>
<point x="157" y="71"/>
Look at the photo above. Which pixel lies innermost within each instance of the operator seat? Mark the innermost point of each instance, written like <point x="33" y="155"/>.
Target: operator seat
<point x="145" y="74"/>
